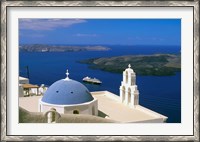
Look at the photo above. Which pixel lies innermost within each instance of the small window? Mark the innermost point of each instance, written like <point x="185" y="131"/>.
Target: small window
<point x="75" y="112"/>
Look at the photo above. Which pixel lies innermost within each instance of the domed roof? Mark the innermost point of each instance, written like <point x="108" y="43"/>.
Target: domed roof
<point x="67" y="92"/>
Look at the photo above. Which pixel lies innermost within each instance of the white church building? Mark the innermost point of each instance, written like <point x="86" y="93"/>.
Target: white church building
<point x="67" y="96"/>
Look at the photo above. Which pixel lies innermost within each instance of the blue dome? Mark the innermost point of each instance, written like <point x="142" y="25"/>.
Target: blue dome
<point x="67" y="92"/>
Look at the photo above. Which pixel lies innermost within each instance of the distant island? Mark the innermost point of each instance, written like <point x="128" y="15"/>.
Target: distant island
<point x="156" y="65"/>
<point x="59" y="48"/>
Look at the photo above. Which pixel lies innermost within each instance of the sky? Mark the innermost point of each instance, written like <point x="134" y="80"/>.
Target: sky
<point x="100" y="31"/>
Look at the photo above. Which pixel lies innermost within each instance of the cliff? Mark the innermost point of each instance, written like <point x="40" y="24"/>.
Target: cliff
<point x="59" y="48"/>
<point x="157" y="64"/>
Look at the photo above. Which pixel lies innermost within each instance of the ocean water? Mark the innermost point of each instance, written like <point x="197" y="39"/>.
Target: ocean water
<point x="161" y="94"/>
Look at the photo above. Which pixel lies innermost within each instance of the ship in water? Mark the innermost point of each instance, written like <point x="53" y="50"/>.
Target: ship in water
<point x="91" y="80"/>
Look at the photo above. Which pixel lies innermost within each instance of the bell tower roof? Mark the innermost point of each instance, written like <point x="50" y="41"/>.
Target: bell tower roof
<point x="129" y="69"/>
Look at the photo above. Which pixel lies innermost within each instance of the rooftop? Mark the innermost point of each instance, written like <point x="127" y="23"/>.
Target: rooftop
<point x="23" y="78"/>
<point x="27" y="86"/>
<point x="108" y="105"/>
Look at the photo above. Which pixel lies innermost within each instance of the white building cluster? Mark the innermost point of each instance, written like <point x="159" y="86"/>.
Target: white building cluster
<point x="67" y="96"/>
<point x="27" y="89"/>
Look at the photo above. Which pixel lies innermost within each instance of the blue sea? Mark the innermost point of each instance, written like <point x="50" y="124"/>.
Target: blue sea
<point x="159" y="93"/>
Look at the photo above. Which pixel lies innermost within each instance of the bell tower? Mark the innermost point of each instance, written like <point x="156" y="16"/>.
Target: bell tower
<point x="129" y="94"/>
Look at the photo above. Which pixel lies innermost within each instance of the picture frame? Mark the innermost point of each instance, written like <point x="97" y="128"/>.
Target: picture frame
<point x="5" y="5"/>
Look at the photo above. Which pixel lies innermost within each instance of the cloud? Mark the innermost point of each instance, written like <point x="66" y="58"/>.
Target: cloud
<point x="145" y="38"/>
<point x="86" y="35"/>
<point x="32" y="35"/>
<point x="135" y="38"/>
<point x="47" y="24"/>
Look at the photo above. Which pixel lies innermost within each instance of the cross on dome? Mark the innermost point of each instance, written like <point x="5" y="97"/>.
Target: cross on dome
<point x="67" y="73"/>
<point x="129" y="65"/>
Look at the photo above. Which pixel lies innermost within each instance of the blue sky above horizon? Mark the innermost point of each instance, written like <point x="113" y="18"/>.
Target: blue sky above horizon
<point x="100" y="31"/>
